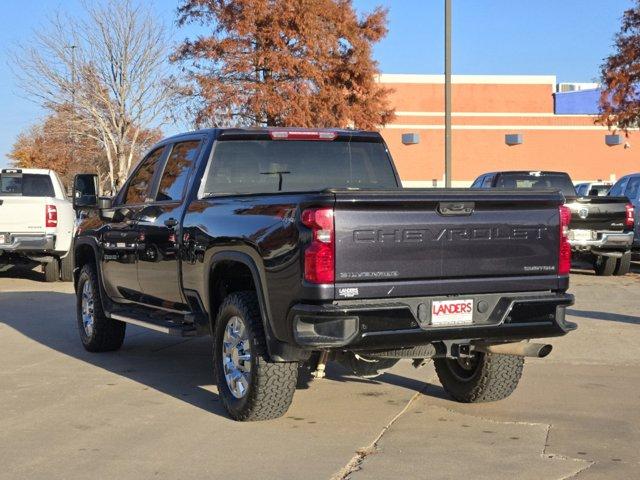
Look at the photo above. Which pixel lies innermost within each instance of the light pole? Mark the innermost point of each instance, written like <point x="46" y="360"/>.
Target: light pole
<point x="447" y="93"/>
<point x="73" y="103"/>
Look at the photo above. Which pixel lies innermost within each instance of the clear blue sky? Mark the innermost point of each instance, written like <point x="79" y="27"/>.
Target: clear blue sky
<point x="565" y="38"/>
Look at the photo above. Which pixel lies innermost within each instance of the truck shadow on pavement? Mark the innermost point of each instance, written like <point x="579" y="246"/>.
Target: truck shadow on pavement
<point x="607" y="316"/>
<point x="23" y="272"/>
<point x="172" y="365"/>
<point x="157" y="361"/>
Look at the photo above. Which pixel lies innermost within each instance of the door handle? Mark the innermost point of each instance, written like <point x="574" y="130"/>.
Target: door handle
<point x="171" y="222"/>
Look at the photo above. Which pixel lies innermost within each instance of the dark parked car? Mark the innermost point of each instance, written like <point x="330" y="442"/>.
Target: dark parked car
<point x="601" y="228"/>
<point x="629" y="186"/>
<point x="297" y="247"/>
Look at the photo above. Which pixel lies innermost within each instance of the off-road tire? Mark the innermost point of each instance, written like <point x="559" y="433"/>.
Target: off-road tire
<point x="494" y="377"/>
<point x="367" y="367"/>
<point x="604" y="266"/>
<point x="66" y="267"/>
<point x="623" y="264"/>
<point x="271" y="384"/>
<point x="108" y="334"/>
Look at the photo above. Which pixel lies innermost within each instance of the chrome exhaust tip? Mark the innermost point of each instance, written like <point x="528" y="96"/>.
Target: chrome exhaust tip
<point x="520" y="349"/>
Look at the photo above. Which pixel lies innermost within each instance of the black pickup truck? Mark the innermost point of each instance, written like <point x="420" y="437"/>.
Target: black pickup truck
<point x="295" y="247"/>
<point x="601" y="228"/>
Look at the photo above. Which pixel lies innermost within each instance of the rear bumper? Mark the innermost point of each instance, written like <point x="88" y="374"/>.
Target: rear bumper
<point x="29" y="243"/>
<point x="380" y="324"/>
<point x="606" y="240"/>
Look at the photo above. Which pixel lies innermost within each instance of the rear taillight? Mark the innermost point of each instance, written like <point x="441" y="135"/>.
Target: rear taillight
<point x="564" y="252"/>
<point x="629" y="219"/>
<point x="51" y="216"/>
<point x="319" y="257"/>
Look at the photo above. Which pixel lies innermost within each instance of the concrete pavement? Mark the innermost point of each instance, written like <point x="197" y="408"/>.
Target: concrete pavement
<point x="150" y="410"/>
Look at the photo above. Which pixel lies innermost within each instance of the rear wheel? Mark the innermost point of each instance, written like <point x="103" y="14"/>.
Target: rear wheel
<point x="98" y="332"/>
<point x="51" y="271"/>
<point x="623" y="265"/>
<point x="66" y="267"/>
<point x="604" y="266"/>
<point x="250" y="384"/>
<point x="485" y="377"/>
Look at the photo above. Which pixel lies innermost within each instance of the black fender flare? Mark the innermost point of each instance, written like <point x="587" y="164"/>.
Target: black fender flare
<point x="278" y="351"/>
<point x="245" y="259"/>
<point x="79" y="242"/>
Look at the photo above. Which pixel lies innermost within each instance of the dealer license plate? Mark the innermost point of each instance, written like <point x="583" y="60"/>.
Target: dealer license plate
<point x="451" y="312"/>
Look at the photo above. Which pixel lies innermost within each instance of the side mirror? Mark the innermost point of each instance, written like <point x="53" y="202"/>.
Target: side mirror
<point x="85" y="190"/>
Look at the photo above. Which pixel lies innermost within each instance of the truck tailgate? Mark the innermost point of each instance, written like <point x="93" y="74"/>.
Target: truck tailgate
<point x="598" y="213"/>
<point x="444" y="234"/>
<point x="20" y="214"/>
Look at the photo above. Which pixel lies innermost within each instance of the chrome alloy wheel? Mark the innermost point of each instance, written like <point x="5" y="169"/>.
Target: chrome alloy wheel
<point x="236" y="357"/>
<point x="87" y="309"/>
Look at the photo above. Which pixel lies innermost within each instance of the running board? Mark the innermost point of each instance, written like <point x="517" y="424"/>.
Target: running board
<point x="168" y="327"/>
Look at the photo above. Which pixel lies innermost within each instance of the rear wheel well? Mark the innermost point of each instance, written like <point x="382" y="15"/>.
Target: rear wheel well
<point x="228" y="276"/>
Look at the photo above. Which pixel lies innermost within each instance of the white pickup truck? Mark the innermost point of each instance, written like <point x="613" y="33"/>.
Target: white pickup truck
<point x="36" y="222"/>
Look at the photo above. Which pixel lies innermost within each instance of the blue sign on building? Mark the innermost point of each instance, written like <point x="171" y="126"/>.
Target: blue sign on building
<point x="580" y="102"/>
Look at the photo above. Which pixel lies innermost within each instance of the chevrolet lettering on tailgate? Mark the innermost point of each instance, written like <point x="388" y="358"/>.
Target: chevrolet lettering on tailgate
<point x="419" y="235"/>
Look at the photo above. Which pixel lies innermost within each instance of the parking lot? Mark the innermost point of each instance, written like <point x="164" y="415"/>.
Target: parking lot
<point x="150" y="410"/>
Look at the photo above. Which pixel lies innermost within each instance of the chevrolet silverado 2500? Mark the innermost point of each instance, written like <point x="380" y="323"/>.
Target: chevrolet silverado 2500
<point x="291" y="246"/>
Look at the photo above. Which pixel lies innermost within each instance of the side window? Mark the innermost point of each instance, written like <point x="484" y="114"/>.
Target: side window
<point x="477" y="182"/>
<point x="631" y="191"/>
<point x="176" y="171"/>
<point x="140" y="183"/>
<point x="486" y="182"/>
<point x="617" y="189"/>
<point x="581" y="189"/>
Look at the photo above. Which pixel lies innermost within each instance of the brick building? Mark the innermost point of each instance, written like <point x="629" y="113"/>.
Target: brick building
<point x="487" y="108"/>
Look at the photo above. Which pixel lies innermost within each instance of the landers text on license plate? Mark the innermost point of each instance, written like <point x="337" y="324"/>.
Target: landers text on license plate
<point x="452" y="312"/>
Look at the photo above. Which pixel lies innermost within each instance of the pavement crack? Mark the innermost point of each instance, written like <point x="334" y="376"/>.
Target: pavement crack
<point x="357" y="460"/>
<point x="546" y="440"/>
<point x="543" y="453"/>
<point x="575" y="474"/>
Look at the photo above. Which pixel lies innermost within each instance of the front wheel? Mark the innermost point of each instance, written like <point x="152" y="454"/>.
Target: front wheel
<point x="98" y="332"/>
<point x="485" y="377"/>
<point x="250" y="384"/>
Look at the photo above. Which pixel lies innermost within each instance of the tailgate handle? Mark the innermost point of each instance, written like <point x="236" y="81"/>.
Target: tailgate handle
<point x="456" y="208"/>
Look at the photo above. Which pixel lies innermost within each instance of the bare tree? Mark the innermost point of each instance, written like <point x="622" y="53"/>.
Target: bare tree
<point x="111" y="66"/>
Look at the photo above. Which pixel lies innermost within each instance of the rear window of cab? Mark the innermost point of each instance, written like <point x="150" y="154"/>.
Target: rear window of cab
<point x="26" y="185"/>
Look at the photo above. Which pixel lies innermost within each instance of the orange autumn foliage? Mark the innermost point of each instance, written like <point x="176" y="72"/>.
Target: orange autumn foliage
<point x="301" y="63"/>
<point x="51" y="145"/>
<point x="620" y="97"/>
